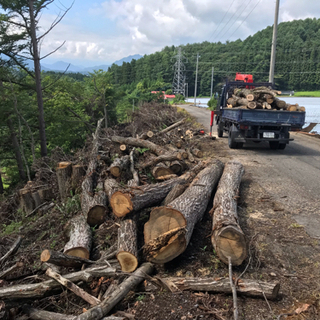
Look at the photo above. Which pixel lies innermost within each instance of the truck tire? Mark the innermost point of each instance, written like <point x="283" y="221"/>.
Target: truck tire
<point x="282" y="146"/>
<point x="274" y="145"/>
<point x="240" y="145"/>
<point x="220" y="129"/>
<point x="232" y="144"/>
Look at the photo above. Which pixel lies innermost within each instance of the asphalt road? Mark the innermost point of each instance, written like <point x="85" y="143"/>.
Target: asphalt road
<point x="290" y="176"/>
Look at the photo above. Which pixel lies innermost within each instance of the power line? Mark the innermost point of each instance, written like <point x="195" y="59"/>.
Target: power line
<point x="221" y="20"/>
<point x="226" y="24"/>
<point x="245" y="18"/>
<point x="237" y="17"/>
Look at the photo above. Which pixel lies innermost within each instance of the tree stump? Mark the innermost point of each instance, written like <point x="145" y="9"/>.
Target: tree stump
<point x="78" y="172"/>
<point x="80" y="238"/>
<point x="169" y="229"/>
<point x="64" y="171"/>
<point x="46" y="194"/>
<point x="27" y="204"/>
<point x="227" y="237"/>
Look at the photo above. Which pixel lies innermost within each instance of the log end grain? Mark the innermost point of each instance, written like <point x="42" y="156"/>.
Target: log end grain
<point x="78" y="252"/>
<point x="121" y="204"/>
<point x="230" y="242"/>
<point x="45" y="255"/>
<point x="127" y="261"/>
<point x="161" y="170"/>
<point x="162" y="243"/>
<point x="64" y="164"/>
<point x="115" y="171"/>
<point x="96" y="215"/>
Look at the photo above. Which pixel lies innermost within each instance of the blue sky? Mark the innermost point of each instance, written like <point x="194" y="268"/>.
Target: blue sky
<point x="101" y="32"/>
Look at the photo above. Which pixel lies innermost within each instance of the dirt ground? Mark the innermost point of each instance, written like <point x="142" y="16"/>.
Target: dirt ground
<point x="279" y="251"/>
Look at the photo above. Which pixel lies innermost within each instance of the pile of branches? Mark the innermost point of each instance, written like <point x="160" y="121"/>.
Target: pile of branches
<point x="259" y="98"/>
<point x="157" y="169"/>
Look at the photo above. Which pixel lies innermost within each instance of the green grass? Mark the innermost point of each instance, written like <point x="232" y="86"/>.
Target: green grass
<point x="307" y="94"/>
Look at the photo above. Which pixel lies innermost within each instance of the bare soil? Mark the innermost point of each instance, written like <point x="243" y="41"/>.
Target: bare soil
<point x="279" y="251"/>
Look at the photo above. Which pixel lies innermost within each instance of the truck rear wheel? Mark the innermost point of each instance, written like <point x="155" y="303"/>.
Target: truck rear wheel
<point x="282" y="146"/>
<point x="220" y="129"/>
<point x="274" y="145"/>
<point x="231" y="142"/>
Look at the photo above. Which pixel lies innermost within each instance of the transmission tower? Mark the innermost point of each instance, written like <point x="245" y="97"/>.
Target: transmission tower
<point x="179" y="78"/>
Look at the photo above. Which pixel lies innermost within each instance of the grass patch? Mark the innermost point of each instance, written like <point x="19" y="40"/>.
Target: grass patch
<point x="307" y="94"/>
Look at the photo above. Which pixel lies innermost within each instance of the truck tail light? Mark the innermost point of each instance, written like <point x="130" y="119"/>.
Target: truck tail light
<point x="243" y="127"/>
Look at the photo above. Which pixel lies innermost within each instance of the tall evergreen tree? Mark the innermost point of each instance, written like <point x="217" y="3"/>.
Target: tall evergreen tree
<point x="20" y="42"/>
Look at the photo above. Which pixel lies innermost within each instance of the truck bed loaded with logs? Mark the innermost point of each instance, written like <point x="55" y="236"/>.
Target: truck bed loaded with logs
<point x="252" y="112"/>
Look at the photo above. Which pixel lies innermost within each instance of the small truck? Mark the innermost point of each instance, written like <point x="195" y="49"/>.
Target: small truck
<point x="244" y="124"/>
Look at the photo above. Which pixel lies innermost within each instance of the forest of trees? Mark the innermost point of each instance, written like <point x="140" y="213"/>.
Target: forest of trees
<point x="297" y="60"/>
<point x="69" y="106"/>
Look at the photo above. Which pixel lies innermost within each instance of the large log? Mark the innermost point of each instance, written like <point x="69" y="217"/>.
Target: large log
<point x="119" y="165"/>
<point x="280" y="104"/>
<point x="38" y="290"/>
<point x="175" y="192"/>
<point x="244" y="93"/>
<point x="135" y="181"/>
<point x="110" y="187"/>
<point x="161" y="170"/>
<point x="80" y="238"/>
<point x="97" y="209"/>
<point x="64" y="171"/>
<point x="227" y="237"/>
<point x="61" y="259"/>
<point x="169" y="229"/>
<point x="139" y="143"/>
<point x="134" y="199"/>
<point x="90" y="180"/>
<point x="177" y="166"/>
<point x="128" y="245"/>
<point x="166" y="157"/>
<point x="247" y="287"/>
<point x="146" y="135"/>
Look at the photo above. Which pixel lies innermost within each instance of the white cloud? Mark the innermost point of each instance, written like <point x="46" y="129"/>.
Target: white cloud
<point x="114" y="29"/>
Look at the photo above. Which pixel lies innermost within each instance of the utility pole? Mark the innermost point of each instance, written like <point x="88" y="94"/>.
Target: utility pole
<point x="186" y="91"/>
<point x="179" y="79"/>
<point x="211" y="82"/>
<point x="274" y="43"/>
<point x="195" y="84"/>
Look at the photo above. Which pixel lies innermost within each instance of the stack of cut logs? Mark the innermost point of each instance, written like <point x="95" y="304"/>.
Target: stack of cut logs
<point x="259" y="98"/>
<point x="178" y="198"/>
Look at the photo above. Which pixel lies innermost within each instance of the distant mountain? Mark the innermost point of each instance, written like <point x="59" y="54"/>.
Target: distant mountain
<point x="128" y="59"/>
<point x="103" y="67"/>
<point x="62" y="65"/>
